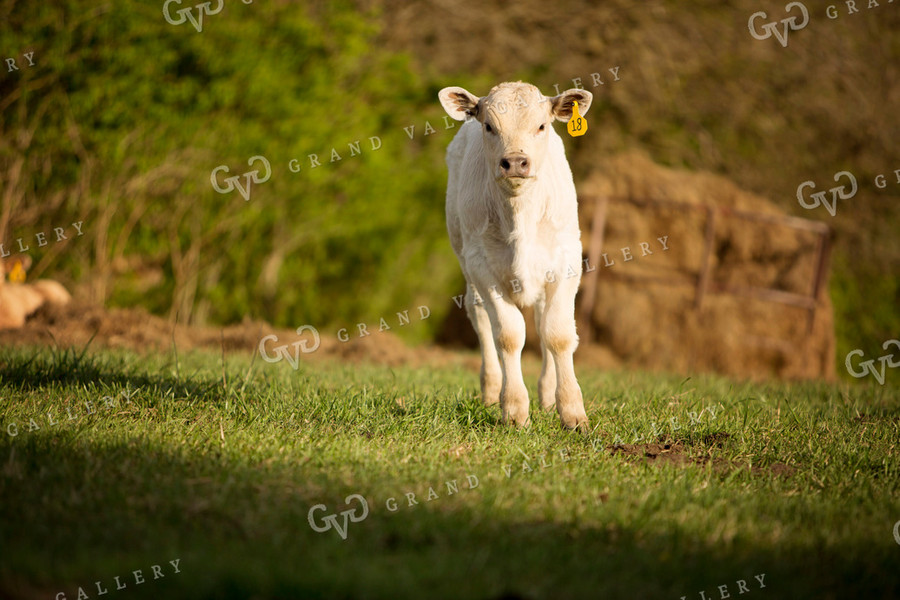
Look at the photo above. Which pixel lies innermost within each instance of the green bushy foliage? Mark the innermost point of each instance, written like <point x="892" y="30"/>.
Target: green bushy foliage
<point x="130" y="114"/>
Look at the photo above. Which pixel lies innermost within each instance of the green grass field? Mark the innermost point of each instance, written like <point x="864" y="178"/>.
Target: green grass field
<point x="216" y="467"/>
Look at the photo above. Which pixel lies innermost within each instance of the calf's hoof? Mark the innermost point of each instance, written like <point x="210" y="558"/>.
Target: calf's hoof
<point x="490" y="391"/>
<point x="490" y="399"/>
<point x="575" y="421"/>
<point x="548" y="402"/>
<point x="518" y="423"/>
<point x="516" y="416"/>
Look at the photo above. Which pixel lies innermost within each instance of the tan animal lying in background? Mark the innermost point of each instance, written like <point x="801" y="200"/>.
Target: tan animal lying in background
<point x="18" y="299"/>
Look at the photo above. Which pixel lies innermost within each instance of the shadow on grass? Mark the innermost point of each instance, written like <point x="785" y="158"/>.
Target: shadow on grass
<point x="70" y="367"/>
<point x="77" y="511"/>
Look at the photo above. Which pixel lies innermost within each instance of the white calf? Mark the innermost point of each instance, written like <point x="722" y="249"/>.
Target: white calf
<point x="512" y="215"/>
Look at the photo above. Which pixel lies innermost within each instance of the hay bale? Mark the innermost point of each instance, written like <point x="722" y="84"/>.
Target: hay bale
<point x="656" y="325"/>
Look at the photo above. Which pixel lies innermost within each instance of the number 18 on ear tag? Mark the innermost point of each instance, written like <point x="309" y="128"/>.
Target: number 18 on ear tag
<point x="577" y="124"/>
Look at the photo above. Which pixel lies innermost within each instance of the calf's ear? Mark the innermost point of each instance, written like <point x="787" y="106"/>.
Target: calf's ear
<point x="561" y="106"/>
<point x="459" y="103"/>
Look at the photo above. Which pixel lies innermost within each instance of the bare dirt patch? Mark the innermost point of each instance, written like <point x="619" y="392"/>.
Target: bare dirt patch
<point x="78" y="324"/>
<point x="676" y="453"/>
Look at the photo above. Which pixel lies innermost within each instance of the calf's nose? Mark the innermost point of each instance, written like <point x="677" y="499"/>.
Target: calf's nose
<point x="515" y="165"/>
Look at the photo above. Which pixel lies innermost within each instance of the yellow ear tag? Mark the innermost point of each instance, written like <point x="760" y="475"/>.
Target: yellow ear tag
<point x="577" y="124"/>
<point x="17" y="275"/>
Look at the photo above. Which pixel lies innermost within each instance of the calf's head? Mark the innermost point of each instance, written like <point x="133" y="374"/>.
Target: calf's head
<point x="515" y="123"/>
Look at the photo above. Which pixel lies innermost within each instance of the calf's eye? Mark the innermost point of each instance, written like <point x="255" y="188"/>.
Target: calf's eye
<point x="541" y="128"/>
<point x="488" y="128"/>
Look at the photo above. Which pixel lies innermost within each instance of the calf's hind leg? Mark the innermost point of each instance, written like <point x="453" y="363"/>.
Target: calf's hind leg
<point x="547" y="381"/>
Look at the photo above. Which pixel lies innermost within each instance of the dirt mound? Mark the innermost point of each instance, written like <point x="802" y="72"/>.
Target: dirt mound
<point x="645" y="303"/>
<point x="76" y="325"/>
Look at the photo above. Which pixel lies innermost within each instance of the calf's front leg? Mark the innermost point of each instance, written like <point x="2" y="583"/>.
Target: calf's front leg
<point x="508" y="328"/>
<point x="558" y="335"/>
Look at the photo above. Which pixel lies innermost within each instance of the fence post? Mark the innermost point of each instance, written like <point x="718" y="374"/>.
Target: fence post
<point x="589" y="282"/>
<point x="823" y="256"/>
<point x="703" y="277"/>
